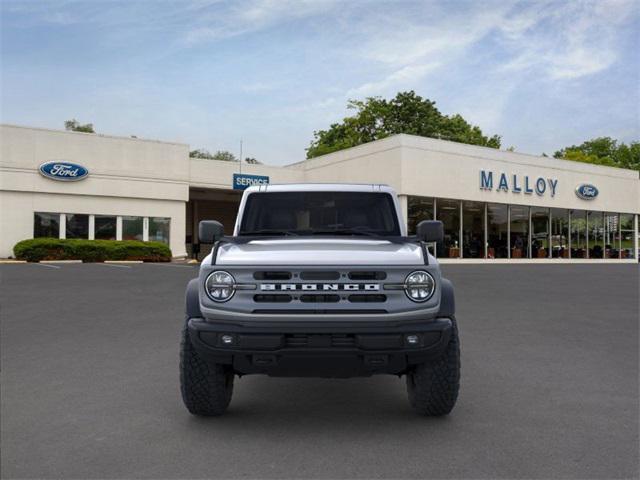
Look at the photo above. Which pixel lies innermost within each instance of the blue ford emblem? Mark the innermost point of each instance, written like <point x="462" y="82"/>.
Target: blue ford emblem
<point x="586" y="191"/>
<point x="64" y="171"/>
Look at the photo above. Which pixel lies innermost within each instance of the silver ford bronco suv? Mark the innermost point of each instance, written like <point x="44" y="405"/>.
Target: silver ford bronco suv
<point x="320" y="280"/>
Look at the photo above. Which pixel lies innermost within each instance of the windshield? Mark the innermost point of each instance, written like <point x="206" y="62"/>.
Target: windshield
<point x="319" y="213"/>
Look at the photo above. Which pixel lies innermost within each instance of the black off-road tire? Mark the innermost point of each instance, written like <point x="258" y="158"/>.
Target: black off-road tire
<point x="206" y="387"/>
<point x="433" y="386"/>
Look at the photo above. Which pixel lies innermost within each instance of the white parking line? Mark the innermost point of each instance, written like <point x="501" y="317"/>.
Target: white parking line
<point x="171" y="265"/>
<point x="46" y="265"/>
<point x="112" y="265"/>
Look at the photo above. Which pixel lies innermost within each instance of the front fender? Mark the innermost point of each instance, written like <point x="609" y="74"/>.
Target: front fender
<point x="192" y="301"/>
<point x="447" y="299"/>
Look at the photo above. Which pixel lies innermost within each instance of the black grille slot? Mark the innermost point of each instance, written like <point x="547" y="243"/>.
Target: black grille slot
<point x="275" y="298"/>
<point x="296" y="341"/>
<point x="360" y="298"/>
<point x="343" y="340"/>
<point x="367" y="275"/>
<point x="319" y="298"/>
<point x="320" y="275"/>
<point x="319" y="341"/>
<point x="272" y="275"/>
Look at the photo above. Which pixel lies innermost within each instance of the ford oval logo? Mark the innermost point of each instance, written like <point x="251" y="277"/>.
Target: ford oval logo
<point x="64" y="171"/>
<point x="586" y="191"/>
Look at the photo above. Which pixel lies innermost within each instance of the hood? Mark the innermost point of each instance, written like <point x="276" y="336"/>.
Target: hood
<point x="320" y="251"/>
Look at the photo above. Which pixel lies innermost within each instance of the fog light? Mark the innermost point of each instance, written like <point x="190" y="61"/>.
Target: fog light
<point x="413" y="339"/>
<point x="227" y="339"/>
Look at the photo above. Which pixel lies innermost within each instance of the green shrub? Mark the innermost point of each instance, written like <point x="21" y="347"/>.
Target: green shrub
<point x="37" y="249"/>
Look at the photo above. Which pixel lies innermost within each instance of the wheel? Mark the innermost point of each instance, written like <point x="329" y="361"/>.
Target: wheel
<point x="433" y="386"/>
<point x="206" y="387"/>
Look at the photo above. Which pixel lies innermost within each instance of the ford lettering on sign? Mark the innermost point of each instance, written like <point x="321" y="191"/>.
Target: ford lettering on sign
<point x="586" y="191"/>
<point x="242" y="181"/>
<point x="63" y="171"/>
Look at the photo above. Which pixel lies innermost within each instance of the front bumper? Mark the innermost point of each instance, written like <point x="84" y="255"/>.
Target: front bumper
<point x="298" y="349"/>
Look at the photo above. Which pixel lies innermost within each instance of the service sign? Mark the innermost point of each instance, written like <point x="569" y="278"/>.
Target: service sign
<point x="242" y="181"/>
<point x="586" y="191"/>
<point x="63" y="171"/>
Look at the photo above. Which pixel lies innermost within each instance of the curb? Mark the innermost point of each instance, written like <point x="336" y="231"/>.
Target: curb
<point x="8" y="262"/>
<point x="60" y="261"/>
<point x="123" y="261"/>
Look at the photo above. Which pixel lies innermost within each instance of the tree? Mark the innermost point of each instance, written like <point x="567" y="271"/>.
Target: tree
<point x="201" y="153"/>
<point x="252" y="161"/>
<point x="604" y="151"/>
<point x="219" y="155"/>
<point x="75" y="126"/>
<point x="225" y="156"/>
<point x="377" y="118"/>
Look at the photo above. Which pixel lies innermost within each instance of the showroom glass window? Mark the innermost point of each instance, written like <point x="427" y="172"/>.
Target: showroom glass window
<point x="473" y="230"/>
<point x="611" y="235"/>
<point x="626" y="235"/>
<point x="559" y="233"/>
<point x="77" y="226"/>
<point x="105" y="227"/>
<point x="448" y="212"/>
<point x="539" y="232"/>
<point x="46" y="225"/>
<point x="578" y="234"/>
<point x="519" y="231"/>
<point x="132" y="228"/>
<point x="497" y="230"/>
<point x="596" y="235"/>
<point x="418" y="209"/>
<point x="159" y="229"/>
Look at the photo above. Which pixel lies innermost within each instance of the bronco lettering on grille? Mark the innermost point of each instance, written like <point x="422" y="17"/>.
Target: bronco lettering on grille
<point x="370" y="287"/>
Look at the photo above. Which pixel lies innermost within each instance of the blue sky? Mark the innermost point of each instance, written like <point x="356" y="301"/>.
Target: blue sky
<point x="542" y="74"/>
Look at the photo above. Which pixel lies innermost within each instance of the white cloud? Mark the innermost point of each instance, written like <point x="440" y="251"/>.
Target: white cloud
<point x="405" y="77"/>
<point x="564" y="41"/>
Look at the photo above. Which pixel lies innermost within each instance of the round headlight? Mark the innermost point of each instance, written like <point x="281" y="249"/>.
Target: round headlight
<point x="220" y="286"/>
<point x="419" y="286"/>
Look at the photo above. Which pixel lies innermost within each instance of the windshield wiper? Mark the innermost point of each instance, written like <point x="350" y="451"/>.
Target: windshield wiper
<point x="346" y="231"/>
<point x="269" y="231"/>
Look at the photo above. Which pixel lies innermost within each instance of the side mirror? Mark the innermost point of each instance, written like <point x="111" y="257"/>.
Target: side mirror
<point x="210" y="231"/>
<point x="430" y="231"/>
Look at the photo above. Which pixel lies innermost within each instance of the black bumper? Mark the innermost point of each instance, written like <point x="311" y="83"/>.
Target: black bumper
<point x="304" y="351"/>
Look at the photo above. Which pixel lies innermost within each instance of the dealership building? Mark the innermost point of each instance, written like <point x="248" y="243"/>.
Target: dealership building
<point x="496" y="206"/>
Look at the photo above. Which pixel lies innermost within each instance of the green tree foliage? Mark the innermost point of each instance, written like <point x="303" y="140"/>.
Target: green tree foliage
<point x="604" y="151"/>
<point x="75" y="126"/>
<point x="219" y="155"/>
<point x="252" y="161"/>
<point x="377" y="118"/>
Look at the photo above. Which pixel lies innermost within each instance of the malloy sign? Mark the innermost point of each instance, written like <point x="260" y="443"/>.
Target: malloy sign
<point x="515" y="183"/>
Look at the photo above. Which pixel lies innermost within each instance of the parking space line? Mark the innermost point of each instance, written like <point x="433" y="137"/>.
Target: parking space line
<point x="171" y="265"/>
<point x="113" y="265"/>
<point x="46" y="265"/>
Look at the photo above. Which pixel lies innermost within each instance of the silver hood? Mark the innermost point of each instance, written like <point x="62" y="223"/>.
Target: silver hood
<point x="319" y="251"/>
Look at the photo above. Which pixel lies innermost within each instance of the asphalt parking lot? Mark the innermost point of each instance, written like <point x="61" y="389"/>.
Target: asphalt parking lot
<point x="89" y="381"/>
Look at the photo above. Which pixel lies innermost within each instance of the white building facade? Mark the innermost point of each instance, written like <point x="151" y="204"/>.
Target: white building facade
<point x="496" y="206"/>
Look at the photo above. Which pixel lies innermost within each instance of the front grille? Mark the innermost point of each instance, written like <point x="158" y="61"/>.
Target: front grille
<point x="308" y="290"/>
